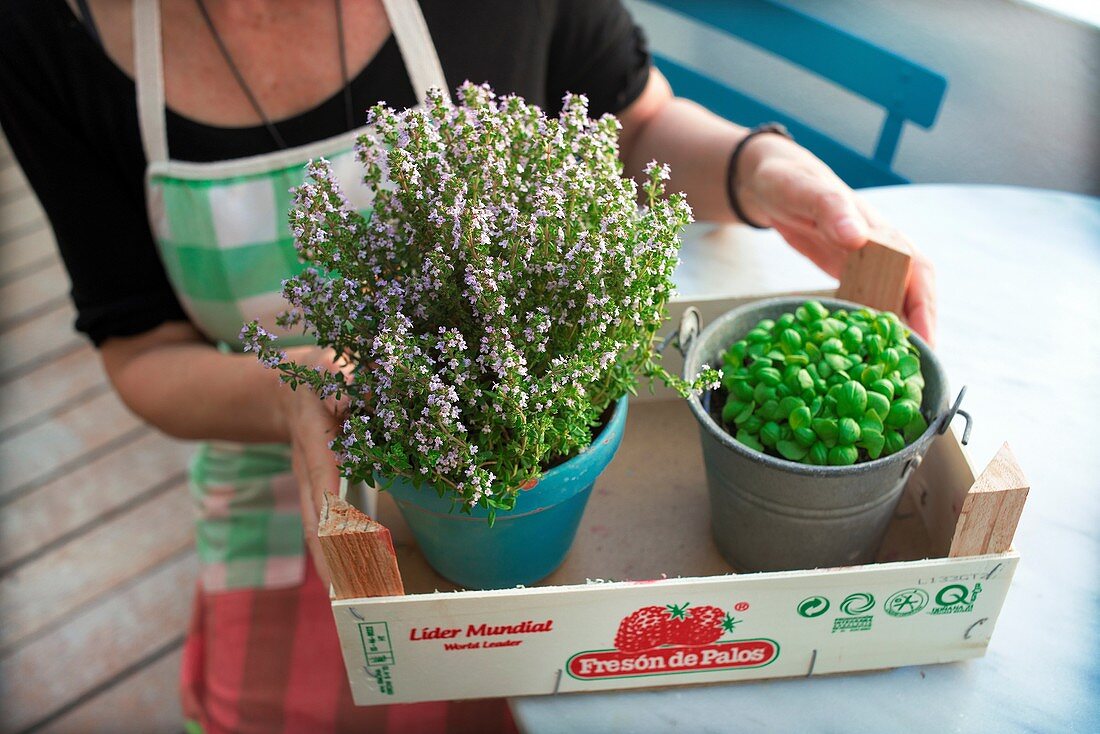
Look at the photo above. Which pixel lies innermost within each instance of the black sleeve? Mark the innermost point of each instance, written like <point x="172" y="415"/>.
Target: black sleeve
<point x="51" y="103"/>
<point x="597" y="50"/>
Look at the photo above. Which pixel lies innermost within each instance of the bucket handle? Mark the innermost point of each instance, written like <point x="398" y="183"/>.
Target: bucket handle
<point x="691" y="323"/>
<point x="949" y="416"/>
<point x="945" y="423"/>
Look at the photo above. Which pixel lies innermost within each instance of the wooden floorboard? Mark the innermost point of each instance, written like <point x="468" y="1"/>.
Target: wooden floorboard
<point x="50" y="388"/>
<point x="147" y="696"/>
<point x="13" y="184"/>
<point x="37" y="340"/>
<point x="40" y="594"/>
<point x="97" y="563"/>
<point x="19" y="215"/>
<point x="33" y="294"/>
<point x="75" y="502"/>
<point x="26" y="253"/>
<point x="57" y="446"/>
<point x="96" y="646"/>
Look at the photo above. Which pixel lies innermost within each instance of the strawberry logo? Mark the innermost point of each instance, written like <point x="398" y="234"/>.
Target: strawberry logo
<point x="672" y="624"/>
<point x="645" y="629"/>
<point x="698" y="626"/>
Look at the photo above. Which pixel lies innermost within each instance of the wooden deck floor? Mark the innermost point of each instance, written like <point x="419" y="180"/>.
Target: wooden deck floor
<point x="96" y="555"/>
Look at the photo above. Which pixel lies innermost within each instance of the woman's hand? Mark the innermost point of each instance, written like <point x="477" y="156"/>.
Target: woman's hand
<point x="176" y="381"/>
<point x="779" y="184"/>
<point x="310" y="424"/>
<point x="782" y="185"/>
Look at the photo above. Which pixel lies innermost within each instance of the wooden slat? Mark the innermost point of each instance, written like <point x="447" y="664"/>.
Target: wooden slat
<point x="37" y="596"/>
<point x="30" y="249"/>
<point x="149" y="696"/>
<point x="48" y="388"/>
<point x="992" y="508"/>
<point x="358" y="552"/>
<point x="93" y="645"/>
<point x="32" y="292"/>
<point x="50" y="447"/>
<point x="876" y="274"/>
<point x="18" y="215"/>
<point x="938" y="488"/>
<point x="102" y="487"/>
<point x="34" y="340"/>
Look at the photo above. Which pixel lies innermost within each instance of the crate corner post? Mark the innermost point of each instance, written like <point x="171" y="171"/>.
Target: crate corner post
<point x="992" y="508"/>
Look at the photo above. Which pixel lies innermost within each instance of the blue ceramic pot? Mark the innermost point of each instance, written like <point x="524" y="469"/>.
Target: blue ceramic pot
<point x="524" y="545"/>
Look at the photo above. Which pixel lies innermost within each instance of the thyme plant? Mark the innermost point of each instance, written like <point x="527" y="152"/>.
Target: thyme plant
<point x="505" y="290"/>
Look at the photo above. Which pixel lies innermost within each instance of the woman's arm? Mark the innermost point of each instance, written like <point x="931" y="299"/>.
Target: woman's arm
<point x="779" y="184"/>
<point x="177" y="382"/>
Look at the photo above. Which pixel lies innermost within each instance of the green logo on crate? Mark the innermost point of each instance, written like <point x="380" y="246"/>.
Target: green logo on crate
<point x="378" y="653"/>
<point x="813" y="606"/>
<point x="857" y="603"/>
<point x="854" y="605"/>
<point x="906" y="603"/>
<point x="852" y="624"/>
<point x="956" y="599"/>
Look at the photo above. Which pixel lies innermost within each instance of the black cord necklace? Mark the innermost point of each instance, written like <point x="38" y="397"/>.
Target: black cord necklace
<point x="276" y="136"/>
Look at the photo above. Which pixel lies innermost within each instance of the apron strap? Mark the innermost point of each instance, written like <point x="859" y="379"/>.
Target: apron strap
<point x="415" y="42"/>
<point x="149" y="80"/>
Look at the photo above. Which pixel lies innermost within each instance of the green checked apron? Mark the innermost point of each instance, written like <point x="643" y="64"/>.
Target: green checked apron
<point x="223" y="234"/>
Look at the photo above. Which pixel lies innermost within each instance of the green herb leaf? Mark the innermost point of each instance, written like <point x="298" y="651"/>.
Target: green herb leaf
<point x="799" y="418"/>
<point x="749" y="440"/>
<point x="878" y="404"/>
<point x="770" y="433"/>
<point x="792" y="450"/>
<point x="851" y="401"/>
<point x="848" y="432"/>
<point x="843" y="455"/>
<point x="901" y="413"/>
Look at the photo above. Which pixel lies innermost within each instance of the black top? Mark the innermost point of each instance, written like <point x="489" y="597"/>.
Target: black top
<point x="70" y="116"/>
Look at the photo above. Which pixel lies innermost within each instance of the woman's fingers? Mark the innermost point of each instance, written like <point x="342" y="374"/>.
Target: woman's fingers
<point x="310" y="512"/>
<point x="920" y="300"/>
<point x="920" y="293"/>
<point x="826" y="221"/>
<point x="315" y="469"/>
<point x="838" y="219"/>
<point x="807" y="240"/>
<point x="802" y="190"/>
<point x="317" y="428"/>
<point x="312" y="425"/>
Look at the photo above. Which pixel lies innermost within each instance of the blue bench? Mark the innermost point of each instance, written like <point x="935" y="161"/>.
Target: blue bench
<point x="906" y="90"/>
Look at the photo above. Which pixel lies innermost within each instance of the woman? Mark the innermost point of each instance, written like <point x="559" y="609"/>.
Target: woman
<point x="161" y="138"/>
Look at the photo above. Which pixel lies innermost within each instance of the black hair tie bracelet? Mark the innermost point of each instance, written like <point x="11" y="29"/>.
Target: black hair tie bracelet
<point x="731" y="170"/>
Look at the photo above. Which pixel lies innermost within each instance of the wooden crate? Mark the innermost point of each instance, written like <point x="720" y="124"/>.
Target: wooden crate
<point x="932" y="596"/>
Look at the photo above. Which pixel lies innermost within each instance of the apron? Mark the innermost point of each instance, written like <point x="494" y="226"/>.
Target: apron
<point x="262" y="654"/>
<point x="223" y="235"/>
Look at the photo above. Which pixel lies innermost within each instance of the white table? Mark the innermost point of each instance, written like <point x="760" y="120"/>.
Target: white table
<point x="1019" y="304"/>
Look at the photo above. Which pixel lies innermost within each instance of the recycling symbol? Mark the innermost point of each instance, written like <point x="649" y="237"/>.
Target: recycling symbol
<point x="813" y="606"/>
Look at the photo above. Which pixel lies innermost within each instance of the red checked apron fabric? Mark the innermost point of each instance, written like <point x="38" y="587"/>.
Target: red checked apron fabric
<point x="262" y="653"/>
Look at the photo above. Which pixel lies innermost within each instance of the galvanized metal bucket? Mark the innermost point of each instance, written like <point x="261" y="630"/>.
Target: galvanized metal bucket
<point x="769" y="514"/>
